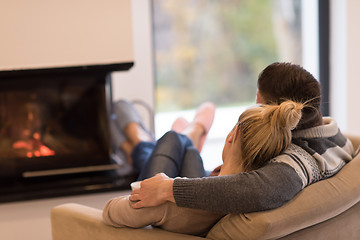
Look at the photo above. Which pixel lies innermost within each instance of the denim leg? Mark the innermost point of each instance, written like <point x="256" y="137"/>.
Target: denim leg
<point x="141" y="154"/>
<point x="167" y="156"/>
<point x="192" y="165"/>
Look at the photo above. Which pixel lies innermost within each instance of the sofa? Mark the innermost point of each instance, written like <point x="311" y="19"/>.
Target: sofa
<point x="329" y="209"/>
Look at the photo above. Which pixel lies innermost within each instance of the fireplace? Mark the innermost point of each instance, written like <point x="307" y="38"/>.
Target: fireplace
<point x="54" y="133"/>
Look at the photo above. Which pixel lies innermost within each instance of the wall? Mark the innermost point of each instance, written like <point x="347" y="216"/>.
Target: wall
<point x="44" y="34"/>
<point x="353" y="53"/>
<point x="344" y="84"/>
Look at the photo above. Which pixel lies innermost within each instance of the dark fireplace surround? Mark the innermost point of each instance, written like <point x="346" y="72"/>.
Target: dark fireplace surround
<point x="54" y="133"/>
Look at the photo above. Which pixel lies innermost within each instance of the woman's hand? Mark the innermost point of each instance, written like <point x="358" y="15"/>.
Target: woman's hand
<point x="153" y="192"/>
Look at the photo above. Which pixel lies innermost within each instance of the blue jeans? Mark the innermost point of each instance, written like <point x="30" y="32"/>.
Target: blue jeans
<point x="173" y="154"/>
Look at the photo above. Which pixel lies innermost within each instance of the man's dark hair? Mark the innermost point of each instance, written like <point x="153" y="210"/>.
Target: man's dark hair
<point x="285" y="81"/>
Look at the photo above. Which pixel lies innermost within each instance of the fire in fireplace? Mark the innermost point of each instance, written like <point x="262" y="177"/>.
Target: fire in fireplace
<point x="54" y="132"/>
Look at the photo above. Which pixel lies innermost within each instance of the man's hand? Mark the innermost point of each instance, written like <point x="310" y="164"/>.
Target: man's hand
<point x="153" y="192"/>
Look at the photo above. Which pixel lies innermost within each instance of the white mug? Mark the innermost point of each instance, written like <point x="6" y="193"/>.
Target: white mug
<point x="135" y="185"/>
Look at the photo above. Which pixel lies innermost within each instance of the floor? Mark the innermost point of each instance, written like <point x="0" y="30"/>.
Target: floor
<point x="30" y="220"/>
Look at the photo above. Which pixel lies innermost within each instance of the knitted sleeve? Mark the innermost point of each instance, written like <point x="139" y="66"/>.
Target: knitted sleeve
<point x="266" y="188"/>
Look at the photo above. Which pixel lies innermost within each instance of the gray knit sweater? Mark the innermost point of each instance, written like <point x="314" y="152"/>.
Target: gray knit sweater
<point x="315" y="154"/>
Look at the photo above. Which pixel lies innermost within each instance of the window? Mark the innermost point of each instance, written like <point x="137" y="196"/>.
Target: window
<point x="214" y="51"/>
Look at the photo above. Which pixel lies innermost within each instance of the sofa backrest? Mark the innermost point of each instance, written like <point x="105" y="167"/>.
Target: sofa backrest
<point x="355" y="139"/>
<point x="313" y="205"/>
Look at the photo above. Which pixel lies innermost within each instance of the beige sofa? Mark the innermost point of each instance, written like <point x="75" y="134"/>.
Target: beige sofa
<point x="329" y="209"/>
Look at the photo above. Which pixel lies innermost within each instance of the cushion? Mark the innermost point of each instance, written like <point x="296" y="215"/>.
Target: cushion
<point x="316" y="203"/>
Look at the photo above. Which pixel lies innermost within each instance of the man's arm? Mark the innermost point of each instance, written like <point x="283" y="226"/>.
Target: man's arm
<point x="266" y="188"/>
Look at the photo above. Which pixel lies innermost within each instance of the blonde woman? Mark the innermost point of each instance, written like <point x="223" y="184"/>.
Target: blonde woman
<point x="261" y="134"/>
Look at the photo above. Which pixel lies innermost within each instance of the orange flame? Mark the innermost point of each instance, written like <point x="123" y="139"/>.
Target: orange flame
<point x="34" y="146"/>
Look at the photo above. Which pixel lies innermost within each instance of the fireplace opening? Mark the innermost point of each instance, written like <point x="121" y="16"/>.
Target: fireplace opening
<point x="54" y="132"/>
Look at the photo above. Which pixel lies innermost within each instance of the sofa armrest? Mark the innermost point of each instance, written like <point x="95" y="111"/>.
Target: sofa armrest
<point x="76" y="222"/>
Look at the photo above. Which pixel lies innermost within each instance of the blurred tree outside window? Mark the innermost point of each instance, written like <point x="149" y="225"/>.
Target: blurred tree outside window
<point x="212" y="50"/>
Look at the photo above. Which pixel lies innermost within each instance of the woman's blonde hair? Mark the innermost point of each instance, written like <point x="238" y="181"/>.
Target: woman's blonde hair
<point x="264" y="131"/>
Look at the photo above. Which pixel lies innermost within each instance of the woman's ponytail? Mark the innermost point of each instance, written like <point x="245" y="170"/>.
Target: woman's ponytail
<point x="265" y="131"/>
<point x="286" y="115"/>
